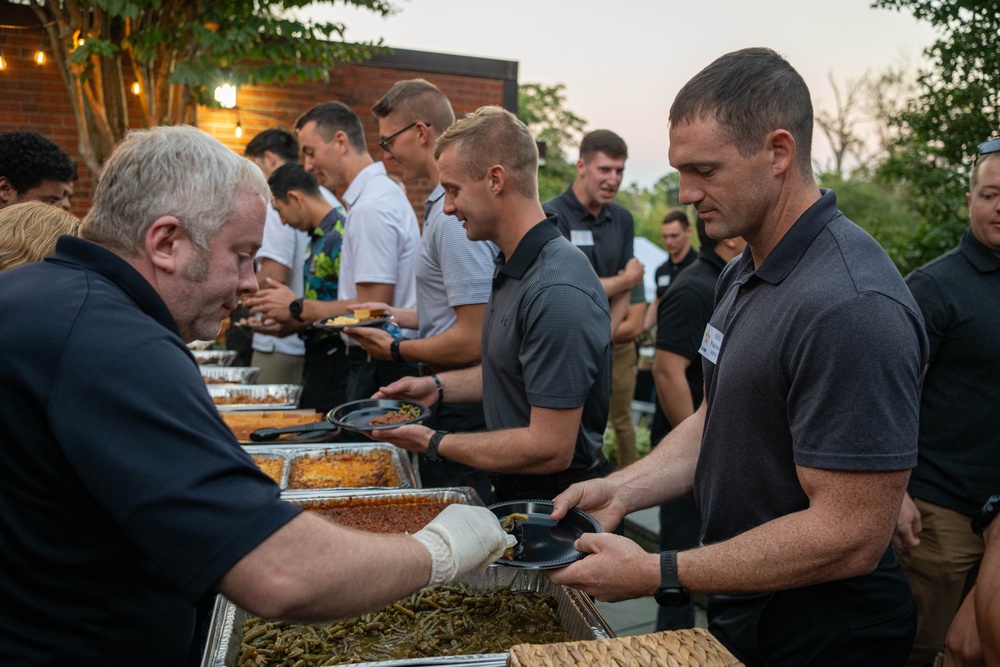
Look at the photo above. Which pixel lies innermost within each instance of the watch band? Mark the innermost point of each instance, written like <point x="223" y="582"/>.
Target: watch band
<point x="397" y="356"/>
<point x="295" y="309"/>
<point x="668" y="570"/>
<point x="432" y="446"/>
<point x="986" y="515"/>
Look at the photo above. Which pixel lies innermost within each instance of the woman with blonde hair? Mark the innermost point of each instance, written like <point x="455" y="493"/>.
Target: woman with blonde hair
<point x="28" y="232"/>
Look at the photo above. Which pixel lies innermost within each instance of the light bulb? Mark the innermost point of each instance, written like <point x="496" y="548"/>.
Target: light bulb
<point x="239" y="129"/>
<point x="136" y="88"/>
<point x="3" y="61"/>
<point x="40" y="57"/>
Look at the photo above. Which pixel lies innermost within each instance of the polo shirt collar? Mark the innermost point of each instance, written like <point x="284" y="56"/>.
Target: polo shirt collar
<point x="793" y="246"/>
<point x="433" y="198"/>
<point x="581" y="211"/>
<point x="529" y="247"/>
<point x="73" y="251"/>
<point x="357" y="186"/>
<point x="326" y="224"/>
<point x="978" y="254"/>
<point x="712" y="258"/>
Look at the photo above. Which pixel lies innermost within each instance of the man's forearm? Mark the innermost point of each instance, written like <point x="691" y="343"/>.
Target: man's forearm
<point x="462" y="386"/>
<point x="672" y="389"/>
<point x="450" y="348"/>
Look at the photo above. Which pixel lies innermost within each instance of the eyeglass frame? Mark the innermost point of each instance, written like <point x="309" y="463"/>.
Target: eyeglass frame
<point x="989" y="147"/>
<point x="385" y="143"/>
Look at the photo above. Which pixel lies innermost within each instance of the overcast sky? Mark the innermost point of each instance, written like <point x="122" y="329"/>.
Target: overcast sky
<point x="623" y="61"/>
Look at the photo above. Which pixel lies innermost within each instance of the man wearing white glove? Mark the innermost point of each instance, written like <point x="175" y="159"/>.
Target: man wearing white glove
<point x="462" y="538"/>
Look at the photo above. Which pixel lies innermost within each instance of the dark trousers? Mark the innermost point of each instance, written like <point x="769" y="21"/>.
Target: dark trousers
<point x="365" y="375"/>
<point x="866" y="620"/>
<point x="456" y="418"/>
<point x="324" y="374"/>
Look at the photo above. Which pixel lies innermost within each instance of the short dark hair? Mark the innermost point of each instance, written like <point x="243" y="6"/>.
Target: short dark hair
<point x="333" y="117"/>
<point x="677" y="215"/>
<point x="750" y="93"/>
<point x="705" y="241"/>
<point x="280" y="142"/>
<point x="292" y="176"/>
<point x="417" y="100"/>
<point x="603" y="141"/>
<point x="28" y="158"/>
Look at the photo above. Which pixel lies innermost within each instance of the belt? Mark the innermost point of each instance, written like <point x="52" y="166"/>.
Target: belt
<point x="508" y="485"/>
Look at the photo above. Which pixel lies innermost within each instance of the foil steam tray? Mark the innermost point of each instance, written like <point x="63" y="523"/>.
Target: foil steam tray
<point x="285" y="395"/>
<point x="289" y="453"/>
<point x="214" y="357"/>
<point x="230" y="374"/>
<point x="577" y="613"/>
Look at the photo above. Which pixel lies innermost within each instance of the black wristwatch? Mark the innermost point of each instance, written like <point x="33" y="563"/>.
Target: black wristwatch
<point x="986" y="515"/>
<point x="397" y="356"/>
<point x="432" y="446"/>
<point x="670" y="593"/>
<point x="295" y="308"/>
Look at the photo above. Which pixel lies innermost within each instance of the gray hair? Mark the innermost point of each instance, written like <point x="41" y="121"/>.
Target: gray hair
<point x="177" y="171"/>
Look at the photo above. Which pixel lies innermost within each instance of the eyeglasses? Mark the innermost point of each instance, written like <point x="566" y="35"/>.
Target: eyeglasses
<point x="991" y="146"/>
<point x="386" y="142"/>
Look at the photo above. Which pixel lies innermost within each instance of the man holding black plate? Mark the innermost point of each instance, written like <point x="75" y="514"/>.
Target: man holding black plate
<point x="545" y="378"/>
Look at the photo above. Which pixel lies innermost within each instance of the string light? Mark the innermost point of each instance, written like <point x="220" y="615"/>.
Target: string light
<point x="239" y="129"/>
<point x="136" y="88"/>
<point x="3" y="61"/>
<point x="40" y="54"/>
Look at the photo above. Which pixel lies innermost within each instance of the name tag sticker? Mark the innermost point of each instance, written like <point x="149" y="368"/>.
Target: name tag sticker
<point x="580" y="237"/>
<point x="663" y="280"/>
<point x="711" y="343"/>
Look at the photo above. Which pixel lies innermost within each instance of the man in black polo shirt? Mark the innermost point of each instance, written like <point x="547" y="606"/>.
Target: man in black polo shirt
<point x="685" y="310"/>
<point x="958" y="464"/>
<point x="587" y="215"/>
<point x="545" y="376"/>
<point x="800" y="453"/>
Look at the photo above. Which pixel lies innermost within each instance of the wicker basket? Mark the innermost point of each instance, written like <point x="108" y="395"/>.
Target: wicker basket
<point x="674" y="648"/>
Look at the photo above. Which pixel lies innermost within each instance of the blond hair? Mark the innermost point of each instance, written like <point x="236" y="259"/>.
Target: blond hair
<point x="29" y="231"/>
<point x="494" y="136"/>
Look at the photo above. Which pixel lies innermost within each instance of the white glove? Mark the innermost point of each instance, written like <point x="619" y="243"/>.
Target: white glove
<point x="460" y="539"/>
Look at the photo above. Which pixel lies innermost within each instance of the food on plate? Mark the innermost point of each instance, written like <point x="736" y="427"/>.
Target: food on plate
<point x="344" y="469"/>
<point x="404" y="414"/>
<point x="360" y="316"/>
<point x="447" y="620"/>
<point x="242" y="424"/>
<point x="270" y="466"/>
<point x="512" y="525"/>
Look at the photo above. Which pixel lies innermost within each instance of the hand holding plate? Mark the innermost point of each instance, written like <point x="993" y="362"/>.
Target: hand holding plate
<point x="596" y="497"/>
<point x="411" y="388"/>
<point x="616" y="568"/>
<point x="374" y="341"/>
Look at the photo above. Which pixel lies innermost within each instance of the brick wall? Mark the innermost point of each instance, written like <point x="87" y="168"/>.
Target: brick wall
<point x="33" y="97"/>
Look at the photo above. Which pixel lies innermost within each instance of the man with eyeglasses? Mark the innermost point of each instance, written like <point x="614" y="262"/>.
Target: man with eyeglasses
<point x="958" y="461"/>
<point x="380" y="242"/>
<point x="454" y="275"/>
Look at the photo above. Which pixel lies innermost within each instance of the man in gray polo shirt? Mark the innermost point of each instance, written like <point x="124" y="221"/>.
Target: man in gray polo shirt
<point x="546" y="372"/>
<point x="800" y="453"/>
<point x="454" y="275"/>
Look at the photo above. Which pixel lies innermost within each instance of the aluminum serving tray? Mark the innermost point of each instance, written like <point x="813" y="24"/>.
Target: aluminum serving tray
<point x="576" y="611"/>
<point x="288" y="394"/>
<point x="214" y="357"/>
<point x="230" y="374"/>
<point x="400" y="462"/>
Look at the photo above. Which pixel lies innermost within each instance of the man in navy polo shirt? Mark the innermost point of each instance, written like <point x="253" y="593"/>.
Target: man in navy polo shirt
<point x="545" y="378"/>
<point x="126" y="502"/>
<point x="800" y="453"/>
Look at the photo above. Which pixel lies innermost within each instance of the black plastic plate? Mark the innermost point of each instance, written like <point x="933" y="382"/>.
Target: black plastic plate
<point x="356" y="415"/>
<point x="326" y="324"/>
<point x="547" y="544"/>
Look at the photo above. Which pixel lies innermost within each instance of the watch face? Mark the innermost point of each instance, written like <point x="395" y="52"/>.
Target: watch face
<point x="672" y="597"/>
